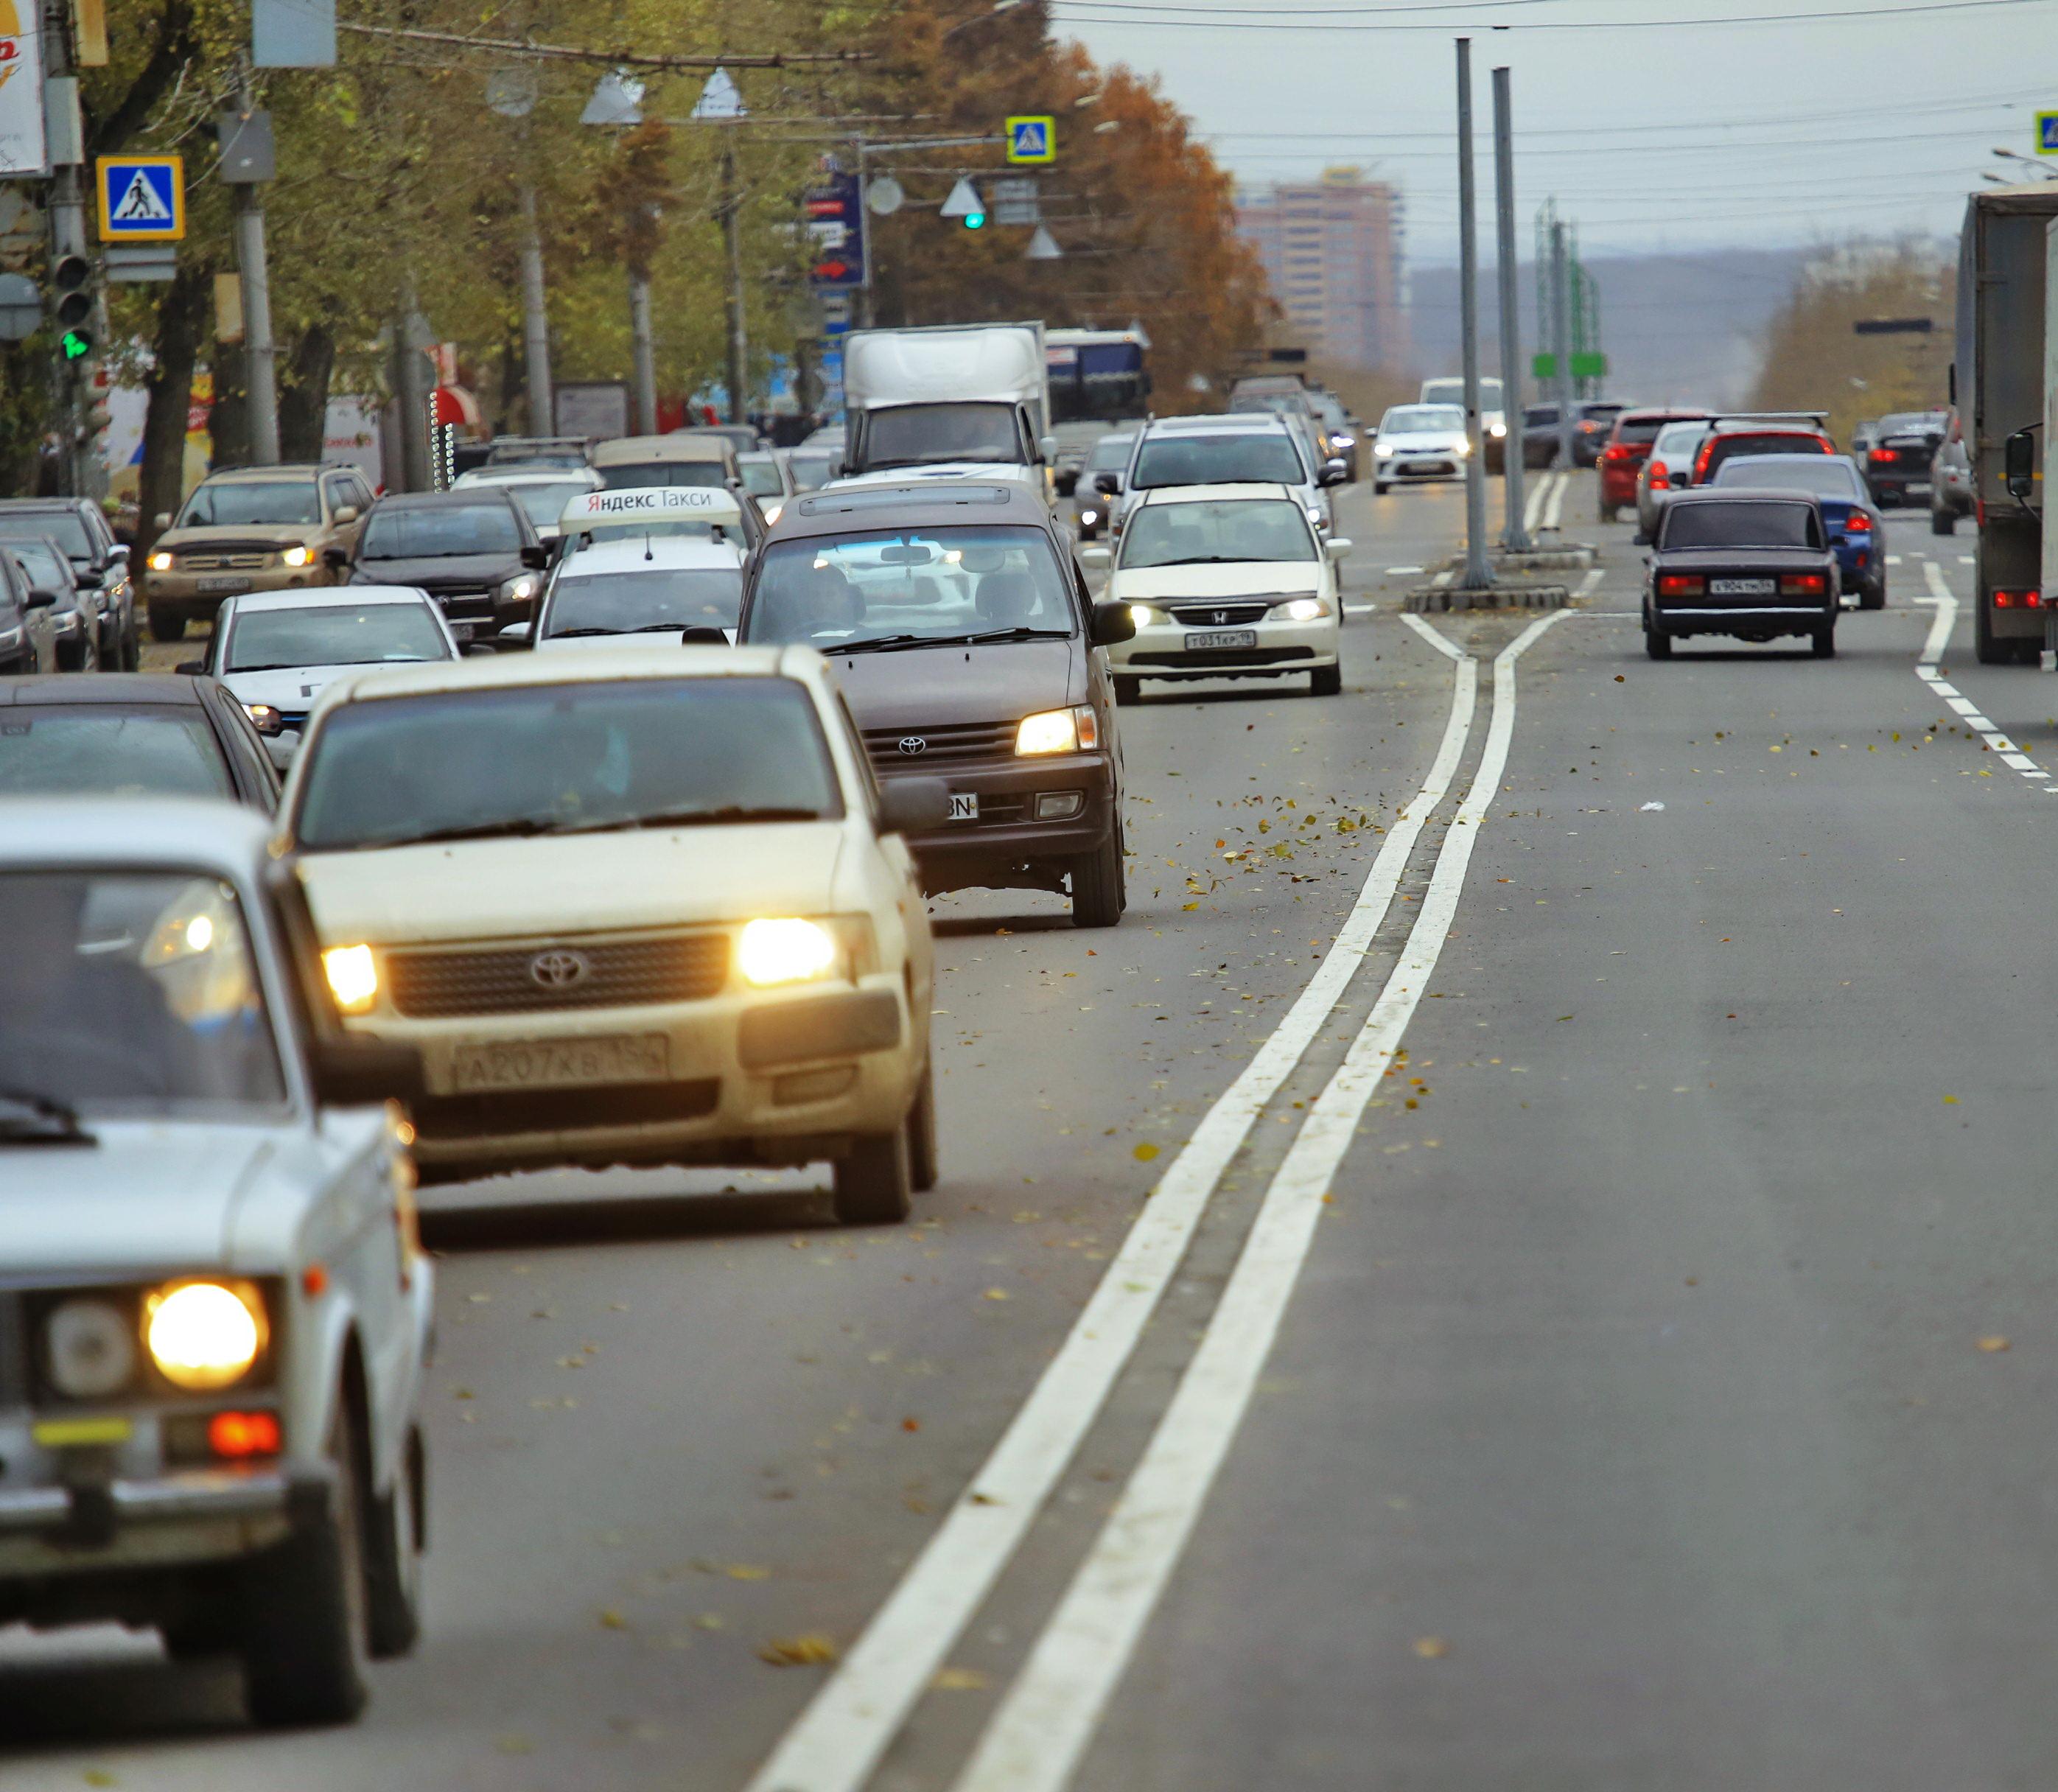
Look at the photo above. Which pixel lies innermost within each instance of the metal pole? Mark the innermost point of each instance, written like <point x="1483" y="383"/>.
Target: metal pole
<point x="411" y="393"/>
<point x="67" y="237"/>
<point x="1514" y="531"/>
<point x="1478" y="573"/>
<point x="1561" y="328"/>
<point x="731" y="234"/>
<point x="645" y="356"/>
<point x="260" y="377"/>
<point x="867" y="309"/>
<point x="535" y="323"/>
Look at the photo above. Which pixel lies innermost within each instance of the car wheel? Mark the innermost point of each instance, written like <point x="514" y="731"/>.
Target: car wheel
<point x="167" y="625"/>
<point x="1097" y="893"/>
<point x="1657" y="643"/>
<point x="393" y="1542"/>
<point x="1986" y="650"/>
<point x="1823" y="642"/>
<point x="1127" y="691"/>
<point x="1326" y="681"/>
<point x="79" y="656"/>
<point x="1943" y="522"/>
<point x="1874" y="597"/>
<point x="132" y="648"/>
<point x="922" y="1169"/>
<point x="305" y="1628"/>
<point x="1379" y="487"/>
<point x="874" y="1184"/>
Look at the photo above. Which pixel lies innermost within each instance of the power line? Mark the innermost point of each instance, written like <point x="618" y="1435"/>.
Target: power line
<point x="1211" y="19"/>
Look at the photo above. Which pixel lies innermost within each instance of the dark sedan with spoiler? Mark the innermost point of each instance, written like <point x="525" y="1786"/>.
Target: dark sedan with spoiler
<point x="1754" y="566"/>
<point x="1896" y="460"/>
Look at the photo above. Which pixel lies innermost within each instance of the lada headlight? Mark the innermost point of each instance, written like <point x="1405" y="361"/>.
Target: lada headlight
<point x="1384" y="450"/>
<point x="787" y="949"/>
<point x="353" y="977"/>
<point x="89" y="1348"/>
<point x="204" y="1335"/>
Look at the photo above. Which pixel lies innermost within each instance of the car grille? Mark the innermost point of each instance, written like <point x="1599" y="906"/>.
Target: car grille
<point x="432" y="985"/>
<point x="14" y="1352"/>
<point x="517" y="1110"/>
<point x="1227" y="658"/>
<point x="239" y="560"/>
<point x="1218" y="615"/>
<point x="960" y="744"/>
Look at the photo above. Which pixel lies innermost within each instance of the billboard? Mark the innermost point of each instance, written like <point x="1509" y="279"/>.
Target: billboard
<point x="24" y="147"/>
<point x="835" y="227"/>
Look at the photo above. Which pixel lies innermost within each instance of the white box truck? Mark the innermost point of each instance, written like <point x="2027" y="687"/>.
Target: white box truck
<point x="947" y="401"/>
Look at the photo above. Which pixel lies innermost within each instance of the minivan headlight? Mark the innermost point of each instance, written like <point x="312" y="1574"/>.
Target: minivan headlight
<point x="205" y="1334"/>
<point x="353" y="977"/>
<point x="787" y="949"/>
<point x="1057" y="731"/>
<point x="1301" y="609"/>
<point x="160" y="562"/>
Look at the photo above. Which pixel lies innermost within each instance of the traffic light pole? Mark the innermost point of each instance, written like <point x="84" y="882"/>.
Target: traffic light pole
<point x="732" y="235"/>
<point x="1514" y="530"/>
<point x="259" y="353"/>
<point x="67" y="210"/>
<point x="1479" y="572"/>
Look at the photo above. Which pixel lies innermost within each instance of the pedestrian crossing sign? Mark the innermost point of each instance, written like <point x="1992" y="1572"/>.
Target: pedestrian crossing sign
<point x="2046" y="133"/>
<point x="1032" y="140"/>
<point x="142" y="198"/>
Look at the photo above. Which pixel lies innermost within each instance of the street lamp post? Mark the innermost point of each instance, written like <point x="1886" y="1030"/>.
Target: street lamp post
<point x="1478" y="574"/>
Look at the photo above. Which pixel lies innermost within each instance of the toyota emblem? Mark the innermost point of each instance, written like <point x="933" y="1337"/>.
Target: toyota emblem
<point x="912" y="744"/>
<point x="558" y="970"/>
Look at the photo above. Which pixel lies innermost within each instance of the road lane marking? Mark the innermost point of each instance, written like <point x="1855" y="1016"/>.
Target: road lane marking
<point x="1360" y="609"/>
<point x="1398" y="572"/>
<point x="1535" y="507"/>
<point x="1933" y="649"/>
<point x="1893" y="559"/>
<point x="1592" y="582"/>
<point x="1435" y="640"/>
<point x="1968" y="560"/>
<point x="1050" y="1714"/>
<point x="837" y="1741"/>
<point x="1554" y="510"/>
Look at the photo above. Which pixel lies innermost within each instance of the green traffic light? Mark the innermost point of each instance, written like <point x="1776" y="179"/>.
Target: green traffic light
<point x="76" y="345"/>
<point x="975" y="220"/>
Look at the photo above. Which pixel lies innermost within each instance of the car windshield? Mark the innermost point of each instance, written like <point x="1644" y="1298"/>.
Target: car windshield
<point x="1216" y="529"/>
<point x="1739" y="524"/>
<point x="646" y="599"/>
<point x="575" y="757"/>
<point x="545" y="502"/>
<point x="62" y="527"/>
<point x="109" y="749"/>
<point x="1218" y="459"/>
<point x="1638" y="429"/>
<point x="251" y="504"/>
<point x="47" y="567"/>
<point x="663" y="472"/>
<point x="914" y="588"/>
<point x="1825" y="476"/>
<point x="1452" y="391"/>
<point x="912" y="435"/>
<point x="1111" y="453"/>
<point x="1279" y="404"/>
<point x="761" y="477"/>
<point x="811" y="472"/>
<point x="334" y="634"/>
<point x="131" y="993"/>
<point x="439" y="531"/>
<point x="1407" y="420"/>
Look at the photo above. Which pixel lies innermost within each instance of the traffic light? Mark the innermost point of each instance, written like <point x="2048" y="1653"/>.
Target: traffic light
<point x="975" y="220"/>
<point x="75" y="307"/>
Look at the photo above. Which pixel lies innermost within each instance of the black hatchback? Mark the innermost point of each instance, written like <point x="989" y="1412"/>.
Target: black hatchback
<point x="1754" y="566"/>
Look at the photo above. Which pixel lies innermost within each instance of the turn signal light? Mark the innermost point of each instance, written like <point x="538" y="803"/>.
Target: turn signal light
<point x="235" y="1436"/>
<point x="1680" y="585"/>
<point x="1802" y="585"/>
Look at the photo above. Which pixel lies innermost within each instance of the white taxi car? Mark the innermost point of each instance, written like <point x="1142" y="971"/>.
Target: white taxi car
<point x="615" y="589"/>
<point x="214" y="1311"/>
<point x="636" y="907"/>
<point x="657" y="512"/>
<point x="1417" y="441"/>
<point x="1224" y="582"/>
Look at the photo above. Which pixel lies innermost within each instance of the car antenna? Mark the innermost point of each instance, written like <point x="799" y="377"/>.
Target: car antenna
<point x="647" y="553"/>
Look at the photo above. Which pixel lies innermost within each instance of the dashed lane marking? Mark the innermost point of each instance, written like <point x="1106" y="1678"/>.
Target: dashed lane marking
<point x="1592" y="582"/>
<point x="1934" y="646"/>
<point x="1401" y="572"/>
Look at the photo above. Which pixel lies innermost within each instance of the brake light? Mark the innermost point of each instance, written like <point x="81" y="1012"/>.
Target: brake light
<point x="1802" y="585"/>
<point x="2018" y="600"/>
<point x="1701" y="460"/>
<point x="1881" y="456"/>
<point x="1615" y="450"/>
<point x="1857" y="523"/>
<point x="235" y="1436"/>
<point x="1680" y="585"/>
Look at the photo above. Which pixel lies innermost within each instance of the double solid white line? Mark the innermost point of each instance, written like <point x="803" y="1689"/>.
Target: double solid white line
<point x="1038" y="1734"/>
<point x="1546" y="507"/>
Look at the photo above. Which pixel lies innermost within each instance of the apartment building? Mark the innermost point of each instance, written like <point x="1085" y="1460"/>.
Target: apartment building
<point x="1332" y="250"/>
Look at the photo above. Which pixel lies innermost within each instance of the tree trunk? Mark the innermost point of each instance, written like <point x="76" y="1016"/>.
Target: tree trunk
<point x="303" y="394"/>
<point x="181" y="316"/>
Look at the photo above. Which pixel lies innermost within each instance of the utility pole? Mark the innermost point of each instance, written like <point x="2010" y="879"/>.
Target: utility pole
<point x="1514" y="530"/>
<point x="1561" y="332"/>
<point x="644" y="366"/>
<point x="1478" y="574"/>
<point x="410" y="392"/>
<point x="732" y="236"/>
<point x="535" y="322"/>
<point x="260" y="354"/>
<point x="67" y="208"/>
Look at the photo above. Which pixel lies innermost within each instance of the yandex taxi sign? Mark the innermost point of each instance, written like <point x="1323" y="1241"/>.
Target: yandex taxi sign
<point x="670" y="504"/>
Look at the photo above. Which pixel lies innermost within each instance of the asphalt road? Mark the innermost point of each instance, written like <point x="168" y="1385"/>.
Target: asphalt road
<point x="1611" y="1347"/>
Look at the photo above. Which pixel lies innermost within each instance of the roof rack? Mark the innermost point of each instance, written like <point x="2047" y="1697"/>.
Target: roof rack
<point x="1820" y="419"/>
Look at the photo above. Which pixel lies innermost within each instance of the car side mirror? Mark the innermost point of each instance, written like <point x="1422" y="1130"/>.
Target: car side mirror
<point x="1112" y="623"/>
<point x="514" y="636"/>
<point x="162" y="520"/>
<point x="913" y="805"/>
<point x="118" y="554"/>
<point x="352" y="1070"/>
<point x="88" y="578"/>
<point x="336" y="558"/>
<point x="701" y="637"/>
<point x="192" y="669"/>
<point x="1046" y="446"/>
<point x="1334" y="472"/>
<point x="1337" y="546"/>
<point x="477" y="648"/>
<point x="345" y="513"/>
<point x="40" y="598"/>
<point x="2018" y="460"/>
<point x="1680" y="481"/>
<point x="537" y="559"/>
<point x="1108" y="485"/>
<point x="1096" y="559"/>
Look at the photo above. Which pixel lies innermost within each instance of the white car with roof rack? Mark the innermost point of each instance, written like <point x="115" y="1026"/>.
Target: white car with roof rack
<point x="215" y="1312"/>
<point x="611" y="590"/>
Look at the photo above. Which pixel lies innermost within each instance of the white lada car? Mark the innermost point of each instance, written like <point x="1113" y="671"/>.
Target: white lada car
<point x="214" y="1311"/>
<point x="634" y="906"/>
<point x="1224" y="582"/>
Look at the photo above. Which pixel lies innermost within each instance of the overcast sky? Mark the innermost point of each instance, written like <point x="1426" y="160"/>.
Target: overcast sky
<point x="1874" y="122"/>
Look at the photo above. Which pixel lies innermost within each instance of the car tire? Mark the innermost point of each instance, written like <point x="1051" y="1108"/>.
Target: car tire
<point x="84" y="657"/>
<point x="304" y="1633"/>
<point x="393" y="1542"/>
<point x="131" y="655"/>
<point x="1657" y="643"/>
<point x="167" y="625"/>
<point x="1097" y="885"/>
<point x="1127" y="691"/>
<point x="922" y="1162"/>
<point x="874" y="1185"/>
<point x="1986" y="648"/>
<point x="1379" y="487"/>
<point x="1874" y="597"/>
<point x="1823" y="642"/>
<point x="1943" y="522"/>
<point x="1326" y="681"/>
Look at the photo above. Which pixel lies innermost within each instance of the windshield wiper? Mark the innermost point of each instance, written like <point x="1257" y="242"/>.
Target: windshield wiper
<point x="874" y="641"/>
<point x="520" y="827"/>
<point x="47" y="1120"/>
<point x="690" y="818"/>
<point x="1208" y="560"/>
<point x="894" y="643"/>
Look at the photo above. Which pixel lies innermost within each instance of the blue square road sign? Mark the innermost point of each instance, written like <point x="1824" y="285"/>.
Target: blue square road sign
<point x="1032" y="140"/>
<point x="2046" y="133"/>
<point x="142" y="198"/>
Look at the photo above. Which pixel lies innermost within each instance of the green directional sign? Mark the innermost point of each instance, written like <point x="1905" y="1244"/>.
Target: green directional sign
<point x="1587" y="365"/>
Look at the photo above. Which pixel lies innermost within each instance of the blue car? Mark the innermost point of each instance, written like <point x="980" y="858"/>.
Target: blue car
<point x="1849" y="517"/>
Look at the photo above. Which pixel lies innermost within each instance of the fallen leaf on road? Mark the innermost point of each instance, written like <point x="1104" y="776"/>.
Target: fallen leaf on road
<point x="996" y="1294"/>
<point x="610" y="1619"/>
<point x="1993" y="1346"/>
<point x="810" y="1650"/>
<point x="911" y="1425"/>
<point x="514" y="1744"/>
<point x="746" y="1571"/>
<point x="1950" y="1101"/>
<point x="1432" y="1648"/>
<point x="958" y="1679"/>
<point x="1145" y="1152"/>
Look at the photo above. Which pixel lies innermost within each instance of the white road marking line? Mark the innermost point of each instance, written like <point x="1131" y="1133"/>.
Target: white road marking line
<point x="1441" y="578"/>
<point x="1592" y="582"/>
<point x="1360" y="609"/>
<point x="837" y="1741"/>
<point x="1435" y="640"/>
<point x="1942" y="622"/>
<point x="2022" y="762"/>
<point x="1397" y="572"/>
<point x="1965" y="708"/>
<point x="1534" y="508"/>
<point x="1968" y="560"/>
<point x="1555" y="509"/>
<point x="1049" y="1714"/>
<point x="1893" y="559"/>
<point x="1933" y="649"/>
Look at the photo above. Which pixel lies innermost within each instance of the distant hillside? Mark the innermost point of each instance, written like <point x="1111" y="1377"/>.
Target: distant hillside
<point x="1676" y="328"/>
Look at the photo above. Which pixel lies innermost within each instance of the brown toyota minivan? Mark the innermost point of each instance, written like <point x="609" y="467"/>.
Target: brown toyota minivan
<point x="964" y="638"/>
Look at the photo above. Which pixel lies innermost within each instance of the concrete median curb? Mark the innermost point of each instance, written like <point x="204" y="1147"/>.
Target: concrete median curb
<point x="1429" y="599"/>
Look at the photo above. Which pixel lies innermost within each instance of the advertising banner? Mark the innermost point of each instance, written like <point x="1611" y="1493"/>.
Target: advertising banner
<point x="24" y="147"/>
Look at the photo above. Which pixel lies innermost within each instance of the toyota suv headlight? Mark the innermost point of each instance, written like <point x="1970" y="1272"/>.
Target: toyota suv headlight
<point x="204" y="1335"/>
<point x="297" y="557"/>
<point x="1057" y="731"/>
<point x="160" y="562"/>
<point x="353" y="977"/>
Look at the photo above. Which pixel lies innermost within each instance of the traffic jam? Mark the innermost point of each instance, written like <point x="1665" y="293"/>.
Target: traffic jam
<point x="856" y="1112"/>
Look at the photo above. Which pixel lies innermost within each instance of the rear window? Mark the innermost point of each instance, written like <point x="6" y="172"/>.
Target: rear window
<point x="1213" y="459"/>
<point x="441" y="531"/>
<point x="1825" y="476"/>
<point x="1744" y="523"/>
<point x="1626" y="431"/>
<point x="656" y="602"/>
<point x="663" y="472"/>
<point x="109" y="749"/>
<point x="1725" y="446"/>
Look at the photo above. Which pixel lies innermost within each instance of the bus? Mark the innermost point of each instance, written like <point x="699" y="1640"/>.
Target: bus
<point x="1099" y="379"/>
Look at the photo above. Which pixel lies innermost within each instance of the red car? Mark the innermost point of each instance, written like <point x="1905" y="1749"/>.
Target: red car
<point x="1628" y="448"/>
<point x="1763" y="432"/>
